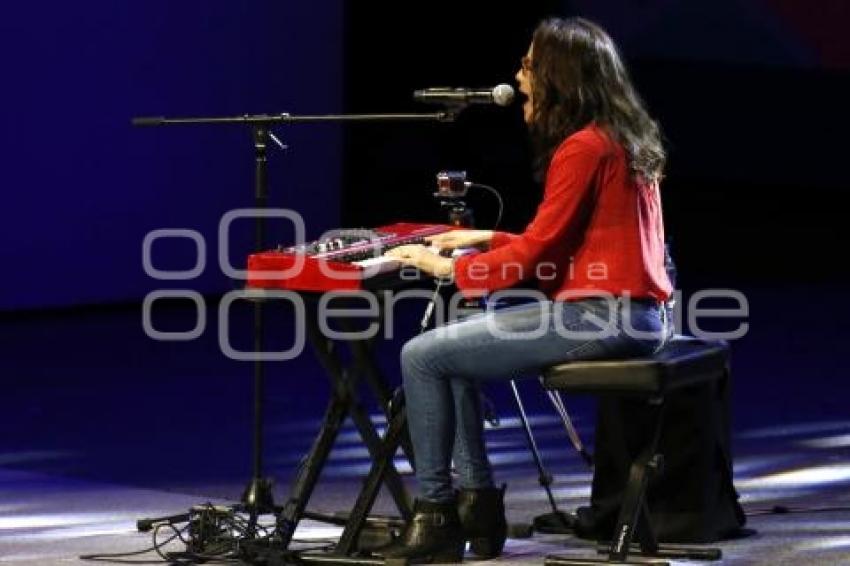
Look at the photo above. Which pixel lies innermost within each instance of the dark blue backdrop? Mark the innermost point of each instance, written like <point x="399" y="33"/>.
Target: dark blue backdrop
<point x="773" y="33"/>
<point x="81" y="187"/>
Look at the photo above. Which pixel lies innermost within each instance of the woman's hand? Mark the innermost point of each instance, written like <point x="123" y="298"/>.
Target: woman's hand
<point x="423" y="259"/>
<point x="460" y="239"/>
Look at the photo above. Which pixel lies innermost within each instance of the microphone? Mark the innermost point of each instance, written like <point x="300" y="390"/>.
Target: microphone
<point x="500" y="95"/>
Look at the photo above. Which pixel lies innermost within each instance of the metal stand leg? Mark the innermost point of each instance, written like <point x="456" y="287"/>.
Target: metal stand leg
<point x="344" y="403"/>
<point x="365" y="359"/>
<point x="347" y="550"/>
<point x="344" y="379"/>
<point x="308" y="475"/>
<point x="557" y="521"/>
<point x="561" y="409"/>
<point x="633" y="521"/>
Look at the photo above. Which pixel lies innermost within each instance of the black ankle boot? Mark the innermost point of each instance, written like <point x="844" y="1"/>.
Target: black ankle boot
<point x="433" y="535"/>
<point x="482" y="516"/>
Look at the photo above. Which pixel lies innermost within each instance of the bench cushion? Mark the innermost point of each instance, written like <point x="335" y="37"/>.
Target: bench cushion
<point x="683" y="361"/>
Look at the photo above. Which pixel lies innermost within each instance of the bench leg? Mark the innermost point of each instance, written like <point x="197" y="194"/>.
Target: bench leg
<point x="634" y="521"/>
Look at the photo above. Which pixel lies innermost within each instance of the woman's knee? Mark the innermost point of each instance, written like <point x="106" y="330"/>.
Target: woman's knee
<point x="415" y="355"/>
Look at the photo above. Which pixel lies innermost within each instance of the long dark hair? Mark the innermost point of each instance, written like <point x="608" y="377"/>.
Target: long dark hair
<point x="578" y="78"/>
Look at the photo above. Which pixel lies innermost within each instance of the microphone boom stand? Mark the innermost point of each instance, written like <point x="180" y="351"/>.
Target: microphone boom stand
<point x="257" y="497"/>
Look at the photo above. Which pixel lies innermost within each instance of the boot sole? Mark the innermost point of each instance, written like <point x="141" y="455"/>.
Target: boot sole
<point x="486" y="547"/>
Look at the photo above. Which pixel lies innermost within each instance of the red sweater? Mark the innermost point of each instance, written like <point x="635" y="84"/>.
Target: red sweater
<point x="597" y="229"/>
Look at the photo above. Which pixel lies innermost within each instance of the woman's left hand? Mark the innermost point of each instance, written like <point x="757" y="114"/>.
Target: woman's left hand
<point x="422" y="258"/>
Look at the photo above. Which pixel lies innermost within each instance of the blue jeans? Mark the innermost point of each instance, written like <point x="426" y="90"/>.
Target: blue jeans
<point x="442" y="369"/>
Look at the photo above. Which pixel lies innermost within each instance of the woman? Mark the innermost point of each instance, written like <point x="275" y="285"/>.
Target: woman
<point x="596" y="248"/>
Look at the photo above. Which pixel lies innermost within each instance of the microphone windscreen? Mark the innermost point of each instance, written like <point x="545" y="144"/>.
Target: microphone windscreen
<point x="503" y="94"/>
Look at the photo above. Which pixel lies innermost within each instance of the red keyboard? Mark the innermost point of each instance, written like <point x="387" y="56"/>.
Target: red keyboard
<point x="345" y="260"/>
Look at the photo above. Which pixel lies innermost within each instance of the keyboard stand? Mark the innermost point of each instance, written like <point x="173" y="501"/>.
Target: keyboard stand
<point x="345" y="378"/>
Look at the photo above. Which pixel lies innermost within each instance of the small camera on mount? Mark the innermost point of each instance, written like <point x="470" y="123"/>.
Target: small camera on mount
<point x="451" y="189"/>
<point x="452" y="184"/>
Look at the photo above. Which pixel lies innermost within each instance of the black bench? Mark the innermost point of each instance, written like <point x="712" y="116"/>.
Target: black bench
<point x="681" y="363"/>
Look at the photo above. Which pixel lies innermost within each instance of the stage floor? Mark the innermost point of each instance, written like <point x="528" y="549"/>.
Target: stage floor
<point x="49" y="519"/>
<point x="102" y="425"/>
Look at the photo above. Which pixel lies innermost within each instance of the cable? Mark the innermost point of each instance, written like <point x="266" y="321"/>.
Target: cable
<point x="498" y="198"/>
<point x="111" y="557"/>
<point x="783" y="510"/>
<point x="210" y="534"/>
<point x="429" y="309"/>
<point x="177" y="534"/>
